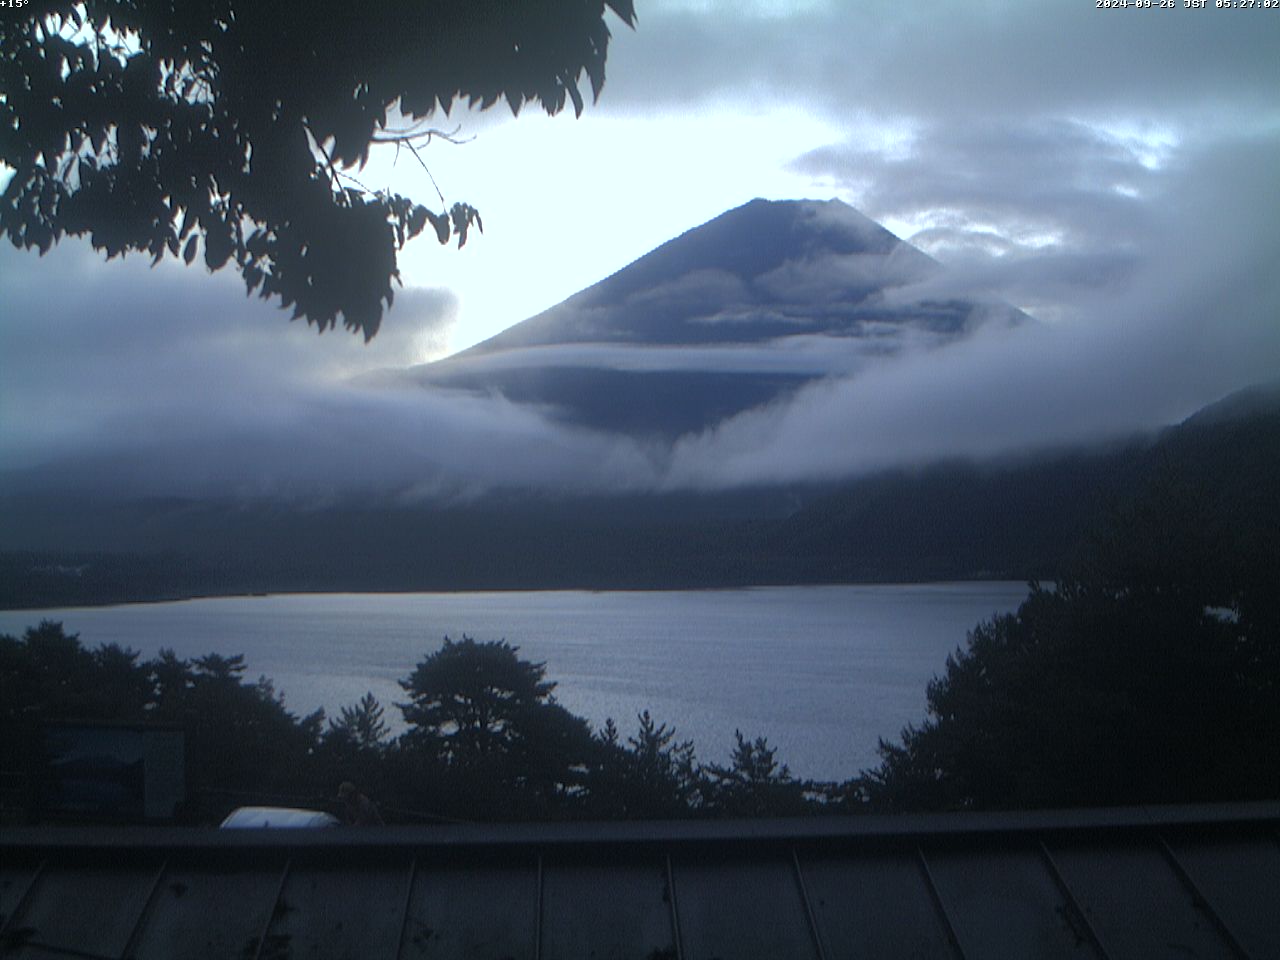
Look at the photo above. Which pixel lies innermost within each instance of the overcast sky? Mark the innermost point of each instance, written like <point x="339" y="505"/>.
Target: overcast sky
<point x="1112" y="172"/>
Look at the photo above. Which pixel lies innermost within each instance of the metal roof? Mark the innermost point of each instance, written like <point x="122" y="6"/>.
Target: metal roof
<point x="1132" y="883"/>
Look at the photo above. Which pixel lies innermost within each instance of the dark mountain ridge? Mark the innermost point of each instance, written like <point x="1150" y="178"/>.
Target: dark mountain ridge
<point x="1014" y="520"/>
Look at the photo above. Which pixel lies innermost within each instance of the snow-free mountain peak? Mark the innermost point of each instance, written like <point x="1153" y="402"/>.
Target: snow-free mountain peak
<point x="763" y="270"/>
<point x="735" y="313"/>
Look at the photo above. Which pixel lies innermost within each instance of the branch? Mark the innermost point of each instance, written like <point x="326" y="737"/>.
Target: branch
<point x="328" y="162"/>
<point x="358" y="183"/>
<point x="414" y="150"/>
<point x="409" y="134"/>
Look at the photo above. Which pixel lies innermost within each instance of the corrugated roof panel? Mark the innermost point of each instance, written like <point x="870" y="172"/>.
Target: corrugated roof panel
<point x="479" y="911"/>
<point x="877" y="905"/>
<point x="1137" y="903"/>
<point x="1002" y="901"/>
<point x="1241" y="880"/>
<point x="1012" y="884"/>
<point x="732" y="908"/>
<point x="209" y="912"/>
<point x="339" y="911"/>
<point x="606" y="911"/>
<point x="84" y="909"/>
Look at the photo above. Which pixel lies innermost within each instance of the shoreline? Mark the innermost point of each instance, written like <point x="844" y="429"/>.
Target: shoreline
<point x="267" y="594"/>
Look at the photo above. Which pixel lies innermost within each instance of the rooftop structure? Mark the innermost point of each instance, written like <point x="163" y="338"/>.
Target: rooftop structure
<point x="1132" y="883"/>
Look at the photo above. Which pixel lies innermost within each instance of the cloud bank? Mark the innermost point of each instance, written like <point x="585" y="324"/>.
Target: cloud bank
<point x="1132" y="212"/>
<point x="134" y="386"/>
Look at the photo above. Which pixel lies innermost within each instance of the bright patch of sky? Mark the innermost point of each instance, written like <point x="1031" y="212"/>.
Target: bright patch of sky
<point x="567" y="203"/>
<point x="1150" y="143"/>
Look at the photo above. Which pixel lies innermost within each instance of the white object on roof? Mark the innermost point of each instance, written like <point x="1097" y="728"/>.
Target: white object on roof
<point x="278" y="817"/>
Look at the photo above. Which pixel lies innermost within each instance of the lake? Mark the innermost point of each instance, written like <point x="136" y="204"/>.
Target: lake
<point x="822" y="671"/>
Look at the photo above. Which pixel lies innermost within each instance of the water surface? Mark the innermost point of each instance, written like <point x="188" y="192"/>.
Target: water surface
<point x="822" y="671"/>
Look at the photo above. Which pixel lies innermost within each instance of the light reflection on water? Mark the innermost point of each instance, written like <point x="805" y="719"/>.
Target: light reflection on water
<point x="822" y="671"/>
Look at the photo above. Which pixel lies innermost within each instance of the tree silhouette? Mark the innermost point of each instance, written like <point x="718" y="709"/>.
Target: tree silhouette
<point x="652" y="774"/>
<point x="473" y="700"/>
<point x="233" y="127"/>
<point x="239" y="735"/>
<point x="753" y="784"/>
<point x="1142" y="677"/>
<point x="487" y="739"/>
<point x="361" y="724"/>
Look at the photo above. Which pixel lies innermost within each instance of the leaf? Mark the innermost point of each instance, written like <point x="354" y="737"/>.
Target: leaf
<point x="625" y="9"/>
<point x="441" y="223"/>
<point x="189" y="252"/>
<point x="417" y="220"/>
<point x="464" y="215"/>
<point x="217" y="250"/>
<point x="252" y="277"/>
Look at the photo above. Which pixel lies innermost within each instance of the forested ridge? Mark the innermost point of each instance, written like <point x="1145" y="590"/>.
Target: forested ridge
<point x="1016" y="519"/>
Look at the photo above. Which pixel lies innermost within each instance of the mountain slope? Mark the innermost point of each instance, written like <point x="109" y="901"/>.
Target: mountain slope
<point x="731" y="315"/>
<point x="763" y="270"/>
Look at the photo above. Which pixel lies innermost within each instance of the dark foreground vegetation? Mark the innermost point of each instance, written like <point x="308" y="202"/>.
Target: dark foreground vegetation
<point x="485" y="739"/>
<point x="1151" y="673"/>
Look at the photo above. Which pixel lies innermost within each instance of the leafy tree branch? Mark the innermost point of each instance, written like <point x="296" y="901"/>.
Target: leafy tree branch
<point x="231" y="127"/>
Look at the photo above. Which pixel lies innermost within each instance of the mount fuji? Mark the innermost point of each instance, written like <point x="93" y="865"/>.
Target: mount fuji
<point x="731" y="315"/>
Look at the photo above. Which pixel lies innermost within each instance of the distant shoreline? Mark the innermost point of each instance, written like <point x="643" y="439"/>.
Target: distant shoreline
<point x="267" y="594"/>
